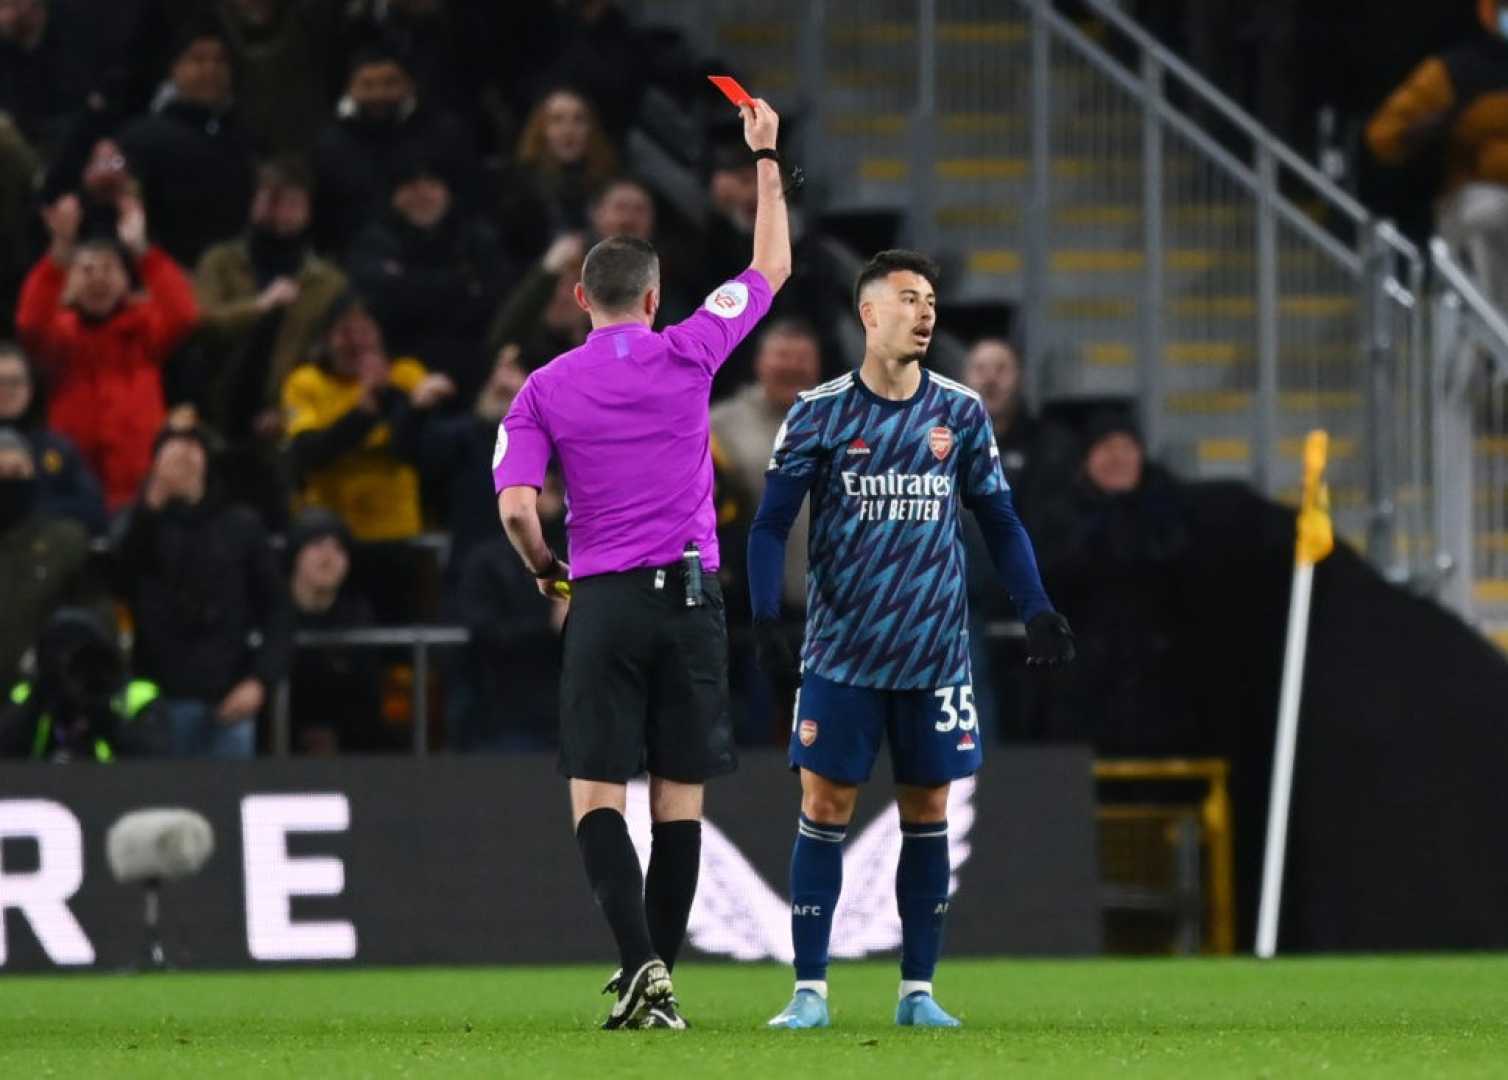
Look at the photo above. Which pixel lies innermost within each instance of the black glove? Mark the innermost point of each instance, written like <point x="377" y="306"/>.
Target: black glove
<point x="1049" y="640"/>
<point x="775" y="657"/>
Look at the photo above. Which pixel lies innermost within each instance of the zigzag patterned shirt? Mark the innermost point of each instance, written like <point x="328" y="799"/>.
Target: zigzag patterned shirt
<point x="886" y="592"/>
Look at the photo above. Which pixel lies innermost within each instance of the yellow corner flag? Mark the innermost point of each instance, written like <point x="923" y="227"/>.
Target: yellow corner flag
<point x="1316" y="537"/>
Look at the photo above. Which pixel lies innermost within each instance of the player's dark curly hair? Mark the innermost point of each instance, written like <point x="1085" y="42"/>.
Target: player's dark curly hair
<point x="888" y="262"/>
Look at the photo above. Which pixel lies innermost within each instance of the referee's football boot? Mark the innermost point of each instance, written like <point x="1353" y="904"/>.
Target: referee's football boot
<point x="922" y="1010"/>
<point x="649" y="987"/>
<point x="808" y="1009"/>
<point x="662" y="1015"/>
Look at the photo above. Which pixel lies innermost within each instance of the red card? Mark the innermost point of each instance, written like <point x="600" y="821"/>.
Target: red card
<point x="730" y="88"/>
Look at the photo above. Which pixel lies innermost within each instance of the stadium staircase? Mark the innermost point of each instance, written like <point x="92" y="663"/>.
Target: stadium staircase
<point x="1188" y="260"/>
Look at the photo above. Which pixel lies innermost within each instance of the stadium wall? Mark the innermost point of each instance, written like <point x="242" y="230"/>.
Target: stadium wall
<point x="469" y="860"/>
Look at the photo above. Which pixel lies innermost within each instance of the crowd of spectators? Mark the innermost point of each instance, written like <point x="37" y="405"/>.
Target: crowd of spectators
<point x="272" y="271"/>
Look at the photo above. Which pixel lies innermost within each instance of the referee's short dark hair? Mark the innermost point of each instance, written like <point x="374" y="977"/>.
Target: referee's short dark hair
<point x="888" y="262"/>
<point x="618" y="271"/>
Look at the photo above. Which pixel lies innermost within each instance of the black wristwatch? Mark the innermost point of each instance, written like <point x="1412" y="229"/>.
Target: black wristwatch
<point x="767" y="152"/>
<point x="551" y="570"/>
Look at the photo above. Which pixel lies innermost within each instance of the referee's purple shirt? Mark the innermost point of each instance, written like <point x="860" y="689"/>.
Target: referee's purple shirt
<point x="625" y="414"/>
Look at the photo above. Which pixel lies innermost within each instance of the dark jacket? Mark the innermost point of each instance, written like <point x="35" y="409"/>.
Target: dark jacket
<point x="514" y="650"/>
<point x="79" y="704"/>
<point x="43" y="566"/>
<point x="200" y="582"/>
<point x="455" y="460"/>
<point x="1112" y="564"/>
<point x="197" y="170"/>
<point x="337" y="687"/>
<point x="254" y="351"/>
<point x="535" y="205"/>
<point x="520" y="321"/>
<point x="432" y="290"/>
<point x="42" y="88"/>
<point x="67" y="489"/>
<point x="32" y="730"/>
<point x="355" y="163"/>
<point x="287" y="72"/>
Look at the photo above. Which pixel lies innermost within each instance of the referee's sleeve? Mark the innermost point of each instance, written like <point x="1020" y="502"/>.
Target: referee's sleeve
<point x="522" y="453"/>
<point x="725" y="318"/>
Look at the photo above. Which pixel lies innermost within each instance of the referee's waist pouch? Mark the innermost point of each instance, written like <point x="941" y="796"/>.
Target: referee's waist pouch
<point x="680" y="585"/>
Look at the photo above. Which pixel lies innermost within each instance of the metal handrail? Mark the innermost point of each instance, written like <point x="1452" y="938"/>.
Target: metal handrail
<point x="1186" y="128"/>
<point x="419" y="638"/>
<point x="1237" y="116"/>
<point x="1444" y="264"/>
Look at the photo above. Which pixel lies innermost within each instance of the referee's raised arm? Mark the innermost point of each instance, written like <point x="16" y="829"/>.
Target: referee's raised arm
<point x="772" y="224"/>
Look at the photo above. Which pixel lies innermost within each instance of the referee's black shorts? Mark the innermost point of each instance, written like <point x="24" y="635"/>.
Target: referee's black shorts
<point x="644" y="680"/>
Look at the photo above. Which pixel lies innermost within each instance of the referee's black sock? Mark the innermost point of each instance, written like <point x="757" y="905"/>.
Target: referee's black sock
<point x="613" y="869"/>
<point x="675" y="857"/>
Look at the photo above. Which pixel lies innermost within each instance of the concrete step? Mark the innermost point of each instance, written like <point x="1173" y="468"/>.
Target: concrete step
<point x="1123" y="218"/>
<point x="995" y="33"/>
<point x="1221" y="354"/>
<point x="1234" y="307"/>
<point x="1178" y="260"/>
<point x="1002" y="124"/>
<point x="994" y="168"/>
<point x="1238" y="450"/>
<point x="1229" y="402"/>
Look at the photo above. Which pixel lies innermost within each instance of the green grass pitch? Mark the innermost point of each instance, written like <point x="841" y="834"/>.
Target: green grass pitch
<point x="1369" y="1017"/>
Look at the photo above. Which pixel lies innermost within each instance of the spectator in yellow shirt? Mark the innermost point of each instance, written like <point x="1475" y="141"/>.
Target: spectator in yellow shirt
<point x="351" y="417"/>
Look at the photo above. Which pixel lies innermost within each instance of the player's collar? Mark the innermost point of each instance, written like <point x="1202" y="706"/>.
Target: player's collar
<point x="921" y="389"/>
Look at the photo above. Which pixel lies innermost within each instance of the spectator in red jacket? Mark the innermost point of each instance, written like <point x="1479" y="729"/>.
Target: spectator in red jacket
<point x="102" y="346"/>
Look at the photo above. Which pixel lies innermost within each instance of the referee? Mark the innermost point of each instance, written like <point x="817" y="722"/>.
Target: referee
<point x="645" y="673"/>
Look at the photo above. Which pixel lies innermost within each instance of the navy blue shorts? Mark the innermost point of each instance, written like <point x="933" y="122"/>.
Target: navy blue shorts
<point x="837" y="731"/>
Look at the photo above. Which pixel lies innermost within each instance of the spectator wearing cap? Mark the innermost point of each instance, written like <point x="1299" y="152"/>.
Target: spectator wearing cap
<point x="102" y="347"/>
<point x="379" y="123"/>
<point x="191" y="154"/>
<point x="1112" y="543"/>
<point x="563" y="157"/>
<point x="44" y="558"/>
<point x="43" y="75"/>
<point x="65" y="486"/>
<point x="213" y="626"/>
<point x="287" y="65"/>
<point x="265" y="296"/>
<point x="431" y="272"/>
<point x="334" y="691"/>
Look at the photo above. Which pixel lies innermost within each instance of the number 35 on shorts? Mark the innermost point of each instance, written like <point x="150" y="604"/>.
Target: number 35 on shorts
<point x="957" y="706"/>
